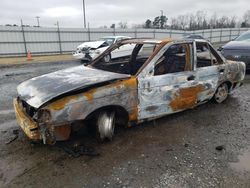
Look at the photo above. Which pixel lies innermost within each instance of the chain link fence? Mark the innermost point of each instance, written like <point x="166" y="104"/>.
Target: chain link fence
<point x="17" y="41"/>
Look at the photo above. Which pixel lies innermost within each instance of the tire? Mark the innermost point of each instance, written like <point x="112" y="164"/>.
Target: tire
<point x="221" y="93"/>
<point x="105" y="125"/>
<point x="107" y="58"/>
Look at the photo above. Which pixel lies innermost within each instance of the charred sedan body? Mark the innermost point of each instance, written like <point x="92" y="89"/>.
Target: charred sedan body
<point x="238" y="49"/>
<point x="158" y="78"/>
<point x="88" y="51"/>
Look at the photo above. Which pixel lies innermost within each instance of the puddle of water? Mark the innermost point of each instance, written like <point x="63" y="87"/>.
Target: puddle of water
<point x="244" y="162"/>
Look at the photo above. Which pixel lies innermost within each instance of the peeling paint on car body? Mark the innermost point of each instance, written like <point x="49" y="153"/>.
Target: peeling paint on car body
<point x="74" y="94"/>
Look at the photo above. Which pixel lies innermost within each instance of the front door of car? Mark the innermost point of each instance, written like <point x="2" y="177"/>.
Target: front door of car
<point x="209" y="68"/>
<point x="172" y="87"/>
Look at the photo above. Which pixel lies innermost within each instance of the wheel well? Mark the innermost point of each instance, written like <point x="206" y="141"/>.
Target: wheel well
<point x="229" y="84"/>
<point x="121" y="114"/>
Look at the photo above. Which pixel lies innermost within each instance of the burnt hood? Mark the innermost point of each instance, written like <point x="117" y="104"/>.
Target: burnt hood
<point x="39" y="90"/>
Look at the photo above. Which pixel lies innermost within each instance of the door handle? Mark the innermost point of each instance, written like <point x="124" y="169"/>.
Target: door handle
<point x="221" y="70"/>
<point x="192" y="77"/>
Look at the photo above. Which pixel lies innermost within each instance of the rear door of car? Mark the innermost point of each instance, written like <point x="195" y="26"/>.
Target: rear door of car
<point x="209" y="69"/>
<point x="172" y="86"/>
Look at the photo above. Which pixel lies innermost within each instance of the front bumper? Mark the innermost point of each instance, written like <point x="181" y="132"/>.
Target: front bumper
<point x="28" y="125"/>
<point x="83" y="56"/>
<point x="49" y="135"/>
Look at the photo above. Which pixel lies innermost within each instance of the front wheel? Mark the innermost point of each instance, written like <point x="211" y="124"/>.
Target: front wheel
<point x="105" y="125"/>
<point x="221" y="93"/>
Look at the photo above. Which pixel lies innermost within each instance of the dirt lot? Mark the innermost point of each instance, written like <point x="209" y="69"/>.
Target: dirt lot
<point x="175" y="151"/>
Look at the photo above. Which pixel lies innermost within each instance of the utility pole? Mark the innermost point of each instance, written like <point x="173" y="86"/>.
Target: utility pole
<point x="84" y="14"/>
<point x="38" y="23"/>
<point x="59" y="37"/>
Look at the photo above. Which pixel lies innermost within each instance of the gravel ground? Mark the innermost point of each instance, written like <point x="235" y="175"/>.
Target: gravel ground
<point x="175" y="151"/>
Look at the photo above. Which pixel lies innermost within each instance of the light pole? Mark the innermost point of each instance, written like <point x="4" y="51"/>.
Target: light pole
<point x="84" y="14"/>
<point x="161" y="12"/>
<point x="38" y="23"/>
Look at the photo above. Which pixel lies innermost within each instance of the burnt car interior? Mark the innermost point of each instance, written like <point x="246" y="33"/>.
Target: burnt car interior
<point x="206" y="55"/>
<point x="128" y="64"/>
<point x="175" y="59"/>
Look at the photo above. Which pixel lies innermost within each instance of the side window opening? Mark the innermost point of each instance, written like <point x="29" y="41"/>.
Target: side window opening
<point x="206" y="56"/>
<point x="177" y="58"/>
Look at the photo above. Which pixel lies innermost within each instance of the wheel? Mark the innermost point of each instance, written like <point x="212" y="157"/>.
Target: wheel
<point x="105" y="125"/>
<point x="107" y="58"/>
<point x="221" y="93"/>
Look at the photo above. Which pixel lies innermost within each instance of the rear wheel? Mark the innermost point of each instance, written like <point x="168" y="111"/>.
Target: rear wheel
<point x="221" y="93"/>
<point x="105" y="125"/>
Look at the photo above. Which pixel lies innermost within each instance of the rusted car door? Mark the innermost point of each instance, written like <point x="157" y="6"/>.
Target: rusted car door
<point x="173" y="86"/>
<point x="209" y="68"/>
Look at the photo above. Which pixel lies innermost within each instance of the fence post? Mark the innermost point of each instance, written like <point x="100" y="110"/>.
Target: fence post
<point x="59" y="37"/>
<point x="211" y="33"/>
<point x="239" y="32"/>
<point x="170" y="34"/>
<point x="135" y="33"/>
<point x="220" y="35"/>
<point x="230" y="34"/>
<point x="154" y="34"/>
<point x="24" y="40"/>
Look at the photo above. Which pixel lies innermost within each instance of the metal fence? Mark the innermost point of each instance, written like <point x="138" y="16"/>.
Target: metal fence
<point x="17" y="41"/>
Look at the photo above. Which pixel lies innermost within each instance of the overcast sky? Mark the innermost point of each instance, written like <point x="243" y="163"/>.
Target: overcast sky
<point x="105" y="12"/>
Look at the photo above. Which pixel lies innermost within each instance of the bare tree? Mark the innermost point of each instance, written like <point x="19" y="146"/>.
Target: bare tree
<point x="246" y="19"/>
<point x="123" y="25"/>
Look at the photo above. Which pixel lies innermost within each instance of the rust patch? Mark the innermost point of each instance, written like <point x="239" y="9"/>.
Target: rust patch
<point x="186" y="98"/>
<point x="90" y="94"/>
<point x="133" y="116"/>
<point x="60" y="104"/>
<point x="62" y="132"/>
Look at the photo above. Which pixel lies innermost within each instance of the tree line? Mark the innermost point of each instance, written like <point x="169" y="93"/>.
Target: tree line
<point x="198" y="20"/>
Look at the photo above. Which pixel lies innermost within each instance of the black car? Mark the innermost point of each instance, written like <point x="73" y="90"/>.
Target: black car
<point x="238" y="49"/>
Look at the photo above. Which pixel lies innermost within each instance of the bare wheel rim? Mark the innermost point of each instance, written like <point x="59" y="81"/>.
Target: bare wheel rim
<point x="221" y="93"/>
<point x="106" y="125"/>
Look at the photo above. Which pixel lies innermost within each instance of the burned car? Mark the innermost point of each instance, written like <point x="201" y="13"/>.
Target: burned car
<point x="159" y="77"/>
<point x="88" y="51"/>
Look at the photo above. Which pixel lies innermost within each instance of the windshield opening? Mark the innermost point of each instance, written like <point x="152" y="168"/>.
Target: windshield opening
<point x="109" y="41"/>
<point x="125" y="58"/>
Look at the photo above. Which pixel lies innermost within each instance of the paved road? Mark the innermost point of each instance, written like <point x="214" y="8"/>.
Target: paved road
<point x="174" y="151"/>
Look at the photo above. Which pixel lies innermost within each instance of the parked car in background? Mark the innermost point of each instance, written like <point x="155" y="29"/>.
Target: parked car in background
<point x="159" y="77"/>
<point x="88" y="51"/>
<point x="238" y="49"/>
<point x="193" y="36"/>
